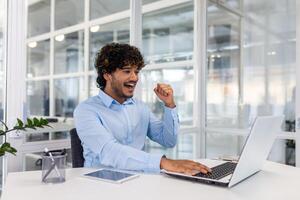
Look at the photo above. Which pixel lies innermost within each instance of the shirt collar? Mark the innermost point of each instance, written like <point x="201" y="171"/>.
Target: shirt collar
<point x="108" y="100"/>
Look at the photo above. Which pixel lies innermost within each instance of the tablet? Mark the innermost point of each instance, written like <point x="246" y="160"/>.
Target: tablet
<point x="110" y="176"/>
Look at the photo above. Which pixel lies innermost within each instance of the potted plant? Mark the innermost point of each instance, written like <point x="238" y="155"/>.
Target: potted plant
<point x="20" y="126"/>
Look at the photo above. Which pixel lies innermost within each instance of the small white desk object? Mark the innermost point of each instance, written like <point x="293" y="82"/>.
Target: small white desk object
<point x="274" y="182"/>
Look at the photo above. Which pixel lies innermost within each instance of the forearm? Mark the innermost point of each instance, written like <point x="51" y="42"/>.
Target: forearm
<point x="128" y="158"/>
<point x="170" y="127"/>
<point x="164" y="131"/>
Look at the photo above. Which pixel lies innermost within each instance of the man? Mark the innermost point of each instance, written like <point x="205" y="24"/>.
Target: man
<point x="113" y="126"/>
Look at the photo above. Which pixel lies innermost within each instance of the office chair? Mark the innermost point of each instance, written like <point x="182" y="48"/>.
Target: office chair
<point x="76" y="149"/>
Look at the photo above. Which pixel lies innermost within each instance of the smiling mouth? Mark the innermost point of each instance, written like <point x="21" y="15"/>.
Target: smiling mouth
<point x="130" y="85"/>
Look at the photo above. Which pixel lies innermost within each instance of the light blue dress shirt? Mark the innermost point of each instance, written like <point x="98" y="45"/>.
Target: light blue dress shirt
<point x="114" y="134"/>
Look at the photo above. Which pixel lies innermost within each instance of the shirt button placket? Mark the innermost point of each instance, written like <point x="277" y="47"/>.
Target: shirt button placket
<point x="129" y="137"/>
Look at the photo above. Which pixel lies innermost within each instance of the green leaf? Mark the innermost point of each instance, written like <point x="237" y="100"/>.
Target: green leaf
<point x="44" y="121"/>
<point x="5" y="147"/>
<point x="16" y="127"/>
<point x="20" y="123"/>
<point x="36" y="122"/>
<point x="5" y="126"/>
<point x="32" y="123"/>
<point x="2" y="152"/>
<point x="13" y="150"/>
<point x="29" y="123"/>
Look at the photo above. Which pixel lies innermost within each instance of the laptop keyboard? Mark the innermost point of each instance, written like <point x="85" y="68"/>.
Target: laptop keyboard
<point x="219" y="171"/>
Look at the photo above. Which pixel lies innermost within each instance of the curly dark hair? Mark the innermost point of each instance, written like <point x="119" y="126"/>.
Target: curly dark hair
<point x="115" y="56"/>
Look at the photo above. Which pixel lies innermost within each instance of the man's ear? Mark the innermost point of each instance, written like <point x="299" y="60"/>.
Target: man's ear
<point x="107" y="76"/>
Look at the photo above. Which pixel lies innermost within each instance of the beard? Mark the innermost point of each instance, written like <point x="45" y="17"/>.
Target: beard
<point x="118" y="89"/>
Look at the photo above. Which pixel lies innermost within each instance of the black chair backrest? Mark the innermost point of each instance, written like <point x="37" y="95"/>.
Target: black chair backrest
<point x="76" y="149"/>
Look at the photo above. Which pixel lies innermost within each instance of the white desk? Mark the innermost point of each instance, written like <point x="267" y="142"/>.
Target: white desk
<point x="276" y="181"/>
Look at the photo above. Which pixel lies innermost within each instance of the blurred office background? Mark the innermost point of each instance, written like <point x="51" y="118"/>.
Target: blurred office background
<point x="246" y="69"/>
<point x="2" y="71"/>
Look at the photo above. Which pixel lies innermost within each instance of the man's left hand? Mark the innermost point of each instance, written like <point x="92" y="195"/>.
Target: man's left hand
<point x="165" y="93"/>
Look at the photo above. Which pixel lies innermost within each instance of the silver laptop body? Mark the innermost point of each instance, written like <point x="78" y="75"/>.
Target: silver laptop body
<point x="255" y="151"/>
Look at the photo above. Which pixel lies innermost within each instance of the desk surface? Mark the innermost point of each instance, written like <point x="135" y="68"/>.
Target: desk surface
<point x="274" y="182"/>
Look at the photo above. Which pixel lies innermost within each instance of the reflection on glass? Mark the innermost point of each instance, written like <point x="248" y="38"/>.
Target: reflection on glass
<point x="283" y="151"/>
<point x="223" y="63"/>
<point x="168" y="34"/>
<point x="123" y="36"/>
<point x="38" y="56"/>
<point x="185" y="148"/>
<point x="68" y="13"/>
<point x="68" y="52"/>
<point x="219" y="145"/>
<point x="38" y="17"/>
<point x="269" y="60"/>
<point x="66" y="96"/>
<point x="269" y="65"/>
<point x="38" y="98"/>
<point x="93" y="89"/>
<point x="155" y="148"/>
<point x="101" y="8"/>
<point x="102" y="34"/>
<point x="290" y="152"/>
<point x="182" y="82"/>
<point x="36" y="137"/>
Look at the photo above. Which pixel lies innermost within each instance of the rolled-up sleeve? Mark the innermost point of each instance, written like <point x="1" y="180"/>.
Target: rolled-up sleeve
<point x="101" y="141"/>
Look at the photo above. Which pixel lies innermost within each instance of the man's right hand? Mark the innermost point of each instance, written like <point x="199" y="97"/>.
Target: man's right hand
<point x="183" y="166"/>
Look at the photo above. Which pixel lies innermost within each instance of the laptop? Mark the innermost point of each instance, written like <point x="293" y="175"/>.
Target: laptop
<point x="255" y="151"/>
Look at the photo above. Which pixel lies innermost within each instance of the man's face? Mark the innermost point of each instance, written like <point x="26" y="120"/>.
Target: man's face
<point x="122" y="82"/>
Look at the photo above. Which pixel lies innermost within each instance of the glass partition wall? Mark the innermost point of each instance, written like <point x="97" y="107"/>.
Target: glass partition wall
<point x="270" y="78"/>
<point x="250" y="64"/>
<point x="251" y="72"/>
<point x="223" y="78"/>
<point x="170" y="60"/>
